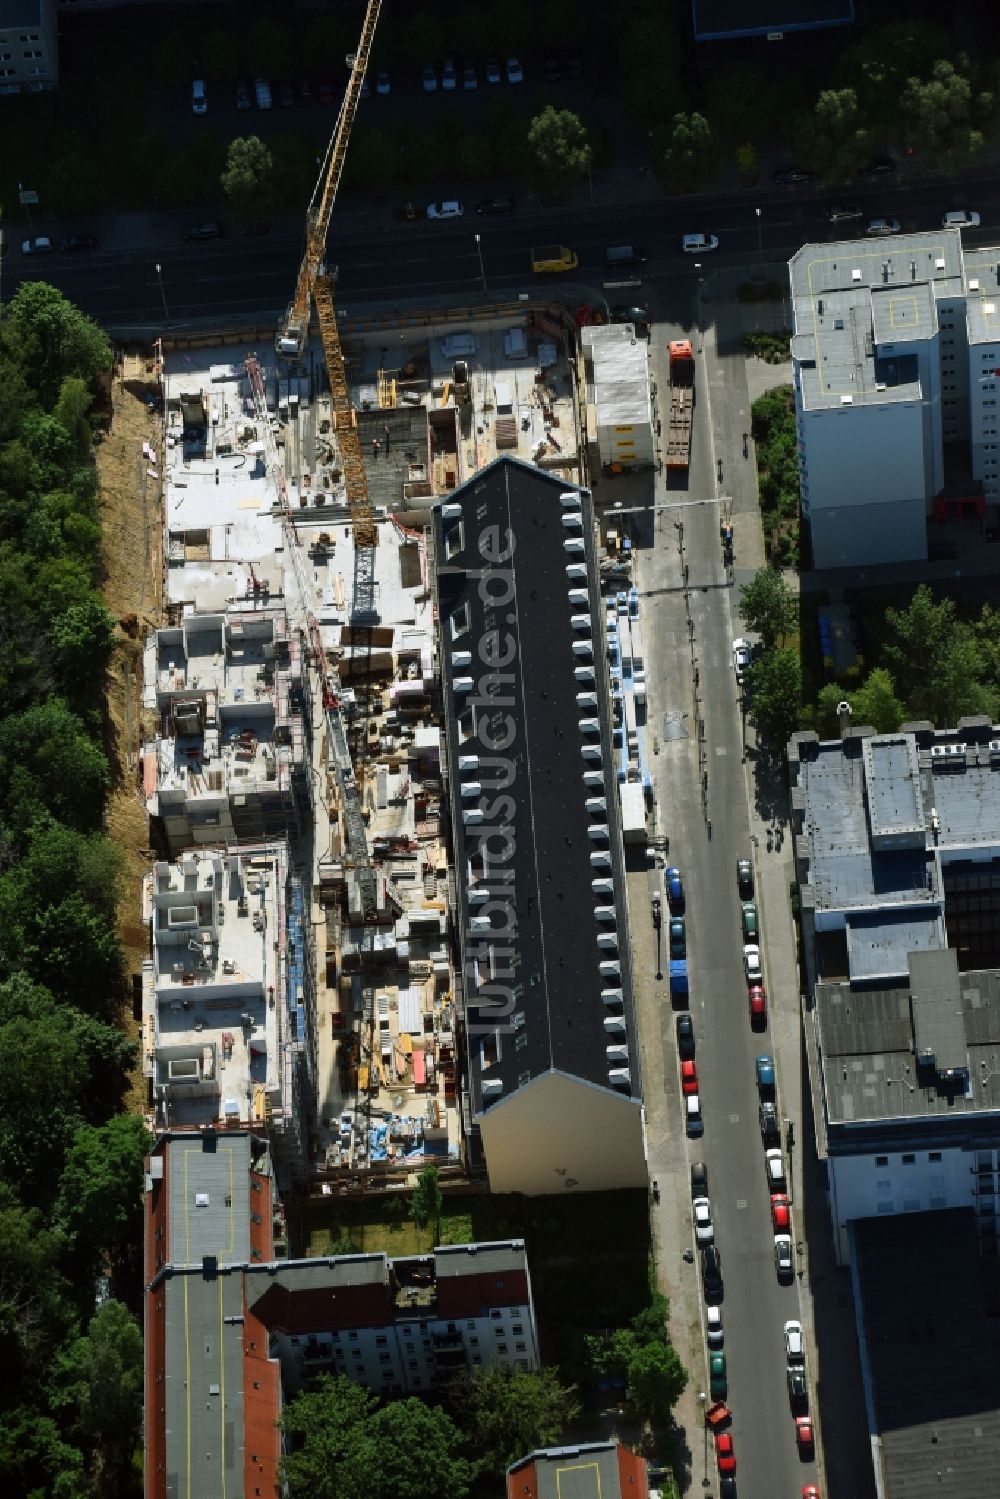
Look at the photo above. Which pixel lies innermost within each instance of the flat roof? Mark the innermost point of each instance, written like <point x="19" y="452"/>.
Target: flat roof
<point x="622" y="389"/>
<point x="930" y="1336"/>
<point x="892" y="783"/>
<point x="879" y="943"/>
<point x="556" y="848"/>
<point x="870" y="1040"/>
<point x="592" y="1470"/>
<point x="855" y="301"/>
<point x="982" y="294"/>
<point x="716" y="19"/>
<point x="845" y="870"/>
<point x="207" y="1204"/>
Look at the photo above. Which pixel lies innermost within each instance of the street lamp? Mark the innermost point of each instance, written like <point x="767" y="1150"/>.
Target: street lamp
<point x="163" y="295"/>
<point x="482" y="268"/>
<point x="760" y="239"/>
<point x="702" y="1397"/>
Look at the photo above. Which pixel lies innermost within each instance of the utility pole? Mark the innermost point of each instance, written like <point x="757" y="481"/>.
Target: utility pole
<point x="482" y="268"/>
<point x="163" y="295"/>
<point x="760" y="239"/>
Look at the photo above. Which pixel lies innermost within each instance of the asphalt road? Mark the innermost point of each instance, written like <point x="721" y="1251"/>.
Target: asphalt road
<point x="756" y="1305"/>
<point x="382" y="260"/>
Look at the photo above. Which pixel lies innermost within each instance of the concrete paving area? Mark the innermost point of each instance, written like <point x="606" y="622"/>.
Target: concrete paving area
<point x="697" y="740"/>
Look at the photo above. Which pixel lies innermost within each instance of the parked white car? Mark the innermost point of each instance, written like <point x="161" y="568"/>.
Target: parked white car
<point x="704" y="1229"/>
<point x="699" y="244"/>
<point x="795" y="1348"/>
<point x="882" y="226"/>
<point x="751" y="962"/>
<point x="449" y="210"/>
<point x="714" y="1331"/>
<point x="783" y="1263"/>
<point x="741" y="657"/>
<point x="775" y="1168"/>
<point x="515" y="73"/>
<point x="960" y="218"/>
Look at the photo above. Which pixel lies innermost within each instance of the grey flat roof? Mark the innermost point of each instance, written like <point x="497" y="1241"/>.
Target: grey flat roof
<point x="733" y="18"/>
<point x="868" y="1046"/>
<point x="892" y="781"/>
<point x="479" y="1259"/>
<point x="966" y="797"/>
<point x="586" y="1472"/>
<point x="982" y="282"/>
<point x="936" y="1006"/>
<point x="203" y="1388"/>
<point x="845" y="871"/>
<point x="207" y="1177"/>
<point x="930" y="1337"/>
<point x="854" y="300"/>
<point x="878" y="943"/>
<point x="558" y="1015"/>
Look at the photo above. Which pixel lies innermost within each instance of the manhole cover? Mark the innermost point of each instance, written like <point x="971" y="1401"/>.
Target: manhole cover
<point x="673" y="726"/>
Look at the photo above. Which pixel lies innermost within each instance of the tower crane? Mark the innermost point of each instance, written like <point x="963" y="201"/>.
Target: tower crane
<point x="315" y="285"/>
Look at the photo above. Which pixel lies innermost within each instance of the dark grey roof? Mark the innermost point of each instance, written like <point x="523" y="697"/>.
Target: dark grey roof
<point x="869" y="1043"/>
<point x="879" y="943"/>
<point x="936" y="1006"/>
<point x="206" y="1179"/>
<point x="892" y="781"/>
<point x="558" y="1019"/>
<point x="932" y="1353"/>
<point x="20" y="13"/>
<point x="735" y="18"/>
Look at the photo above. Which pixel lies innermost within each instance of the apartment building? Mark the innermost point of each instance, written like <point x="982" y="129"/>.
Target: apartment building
<point x="592" y="1468"/>
<point x="554" y="1096"/>
<point x="29" y="46"/>
<point x="897" y="845"/>
<point x="232" y="1331"/>
<point x="895" y="355"/>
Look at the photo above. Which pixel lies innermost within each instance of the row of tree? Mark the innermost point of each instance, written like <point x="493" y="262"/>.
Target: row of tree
<point x="70" y="1160"/>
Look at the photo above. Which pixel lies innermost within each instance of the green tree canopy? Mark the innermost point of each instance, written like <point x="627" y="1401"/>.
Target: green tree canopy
<point x="769" y="607"/>
<point x="318" y="1428"/>
<point x="559" y="145"/>
<point x="505" y="1413"/>
<point x="688" y="153"/>
<point x="35" y="1313"/>
<point x="647" y="32"/>
<point x="99" y="1206"/>
<point x="945" y="116"/>
<point x="936" y="661"/>
<point x="836" y="138"/>
<point x="776" y="696"/>
<point x="97" y="1387"/>
<point x="656" y="1380"/>
<point x="55" y="339"/>
<point x="248" y="179"/>
<point x="426" y="1202"/>
<point x="884" y="56"/>
<point x="406" y="1450"/>
<point x="49" y="762"/>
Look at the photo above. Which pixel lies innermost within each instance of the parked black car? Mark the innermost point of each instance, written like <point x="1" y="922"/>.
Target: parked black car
<point x="685" y="1036"/>
<point x="790" y="176"/>
<point x="77" y="242"/>
<point x="495" y="206"/>
<point x="212" y="229"/>
<point x="711" y="1273"/>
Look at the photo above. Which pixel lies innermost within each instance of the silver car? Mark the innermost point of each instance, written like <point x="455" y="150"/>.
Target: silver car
<point x="783" y="1262"/>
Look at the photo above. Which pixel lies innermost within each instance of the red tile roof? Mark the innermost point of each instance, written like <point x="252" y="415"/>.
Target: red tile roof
<point x="467" y="1295"/>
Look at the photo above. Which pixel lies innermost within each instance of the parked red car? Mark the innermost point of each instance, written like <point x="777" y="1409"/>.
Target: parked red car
<point x="780" y="1215"/>
<point x="804" y="1435"/>
<point x="724" y="1454"/>
<point x="758" y="1004"/>
<point x="689" y="1077"/>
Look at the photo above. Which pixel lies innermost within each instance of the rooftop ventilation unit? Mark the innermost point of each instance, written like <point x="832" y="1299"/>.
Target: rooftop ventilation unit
<point x="584" y="673"/>
<point x="609" y="969"/>
<point x="598" y="832"/>
<point x="472" y="817"/>
<point x="600" y="859"/>
<point x="491" y="1087"/>
<point x="617" y="1053"/>
<point x="478" y="896"/>
<point x="621" y="1078"/>
<point x="590" y="725"/>
<point x="573" y="522"/>
<point x="569" y="501"/>
<point x="606" y="913"/>
<point x="471" y="789"/>
<point x="574" y="546"/>
<point x="576" y="570"/>
<point x="586" y="699"/>
<point x="607" y="941"/>
<point x="595" y="804"/>
<point x="480" y="924"/>
<point x="995" y="746"/>
<point x="603" y="887"/>
<point x="467" y="763"/>
<point x="938" y="751"/>
<point x="856" y="276"/>
<point x="974" y="284"/>
<point x="580" y="622"/>
<point x="593" y="778"/>
<point x="579" y="596"/>
<point x="591" y="752"/>
<point x="460" y="658"/>
<point x="451" y="512"/>
<point x="611" y="997"/>
<point x="582" y="648"/>
<point x="847" y="400"/>
<point x="462" y="684"/>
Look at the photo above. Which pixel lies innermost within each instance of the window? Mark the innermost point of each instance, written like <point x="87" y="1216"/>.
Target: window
<point x="886" y="1207"/>
<point x="353" y="1337"/>
<point x="385" y="1358"/>
<point x="381" y="1342"/>
<point x="33" y="52"/>
<point x="501" y="1348"/>
<point x="911" y="1204"/>
<point x="519" y="1347"/>
<point x="908" y="1160"/>
<point x="883" y="1184"/>
<point x="496" y="1315"/>
<point x="881" y="1160"/>
<point x="412" y="1364"/>
<point x="477" y="1358"/>
<point x="470" y="1326"/>
<point x="518" y="1330"/>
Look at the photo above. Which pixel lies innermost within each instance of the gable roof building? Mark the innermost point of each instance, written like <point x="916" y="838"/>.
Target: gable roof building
<point x="553" y="1080"/>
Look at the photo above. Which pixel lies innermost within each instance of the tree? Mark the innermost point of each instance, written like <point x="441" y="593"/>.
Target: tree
<point x="936" y="661"/>
<point x="505" y="1413"/>
<point x="875" y="702"/>
<point x="318" y="1428"/>
<point x="248" y="178"/>
<point x="768" y="606"/>
<point x="55" y="339"/>
<point x="99" y="1206"/>
<point x="944" y="117"/>
<point x="374" y="160"/>
<point x="97" y="1387"/>
<point x="776" y="695"/>
<point x="35" y="1314"/>
<point x="880" y="61"/>
<point x="83" y="639"/>
<point x="688" y="153"/>
<point x="558" y="141"/>
<point x="744" y="103"/>
<point x="44" y="1077"/>
<point x="656" y="1380"/>
<point x="427" y="1201"/>
<point x="48" y="761"/>
<point x="34" y="1459"/>
<point x="654" y="85"/>
<point x="406" y="1450"/>
<point x="747" y="161"/>
<point x="836" y="139"/>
